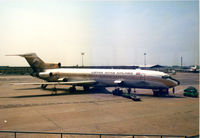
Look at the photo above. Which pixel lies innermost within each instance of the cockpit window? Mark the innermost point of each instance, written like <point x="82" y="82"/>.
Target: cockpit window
<point x="165" y="77"/>
<point x="170" y="78"/>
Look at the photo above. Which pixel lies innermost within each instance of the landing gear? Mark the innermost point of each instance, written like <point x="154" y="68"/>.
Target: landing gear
<point x="134" y="94"/>
<point x="173" y="90"/>
<point x="155" y="92"/>
<point x="160" y="92"/>
<point x="43" y="86"/>
<point x="117" y="91"/>
<point x="86" y="88"/>
<point x="129" y="90"/>
<point x="54" y="90"/>
<point x="72" y="89"/>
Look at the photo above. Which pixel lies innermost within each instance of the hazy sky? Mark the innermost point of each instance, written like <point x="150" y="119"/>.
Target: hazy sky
<point x="109" y="32"/>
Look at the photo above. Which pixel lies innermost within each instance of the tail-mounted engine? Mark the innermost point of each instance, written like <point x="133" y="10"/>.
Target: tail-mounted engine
<point x="52" y="65"/>
<point x="62" y="79"/>
<point x="45" y="74"/>
<point x="51" y="77"/>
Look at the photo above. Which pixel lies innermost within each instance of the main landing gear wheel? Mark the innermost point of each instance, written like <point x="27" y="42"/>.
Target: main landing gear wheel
<point x="173" y="90"/>
<point x="43" y="86"/>
<point x="117" y="91"/>
<point x="129" y="90"/>
<point x="86" y="88"/>
<point x="160" y="92"/>
<point x="54" y="90"/>
<point x="72" y="89"/>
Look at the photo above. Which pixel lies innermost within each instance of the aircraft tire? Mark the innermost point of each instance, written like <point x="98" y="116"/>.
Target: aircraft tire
<point x="155" y="93"/>
<point x="86" y="88"/>
<point x="72" y="89"/>
<point x="160" y="92"/>
<point x="114" y="92"/>
<point x="164" y="92"/>
<point x="117" y="92"/>
<point x="43" y="86"/>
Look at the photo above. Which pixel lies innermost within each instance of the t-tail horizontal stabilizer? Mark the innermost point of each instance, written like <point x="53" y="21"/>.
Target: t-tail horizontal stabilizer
<point x="36" y="63"/>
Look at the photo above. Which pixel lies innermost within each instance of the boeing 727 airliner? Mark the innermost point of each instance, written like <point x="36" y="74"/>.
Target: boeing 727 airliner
<point x="53" y="74"/>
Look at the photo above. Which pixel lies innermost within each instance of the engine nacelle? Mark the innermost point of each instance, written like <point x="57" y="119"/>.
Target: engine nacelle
<point x="45" y="74"/>
<point x="59" y="65"/>
<point x="62" y="79"/>
<point x="52" y="65"/>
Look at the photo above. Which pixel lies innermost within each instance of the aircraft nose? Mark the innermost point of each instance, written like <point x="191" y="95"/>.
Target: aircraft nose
<point x="175" y="80"/>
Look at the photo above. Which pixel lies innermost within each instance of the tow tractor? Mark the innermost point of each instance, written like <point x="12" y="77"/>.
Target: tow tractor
<point x="129" y="95"/>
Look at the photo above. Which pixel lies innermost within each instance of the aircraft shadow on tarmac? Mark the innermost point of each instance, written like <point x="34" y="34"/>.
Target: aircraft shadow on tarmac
<point x="64" y="92"/>
<point x="167" y="96"/>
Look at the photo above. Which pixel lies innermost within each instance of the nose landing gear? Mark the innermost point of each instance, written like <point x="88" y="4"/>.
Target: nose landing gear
<point x="173" y="90"/>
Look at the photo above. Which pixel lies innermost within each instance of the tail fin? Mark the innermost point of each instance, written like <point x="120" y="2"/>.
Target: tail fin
<point x="36" y="63"/>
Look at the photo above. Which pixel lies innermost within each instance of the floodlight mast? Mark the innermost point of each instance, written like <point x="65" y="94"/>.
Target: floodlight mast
<point x="145" y="60"/>
<point x="82" y="54"/>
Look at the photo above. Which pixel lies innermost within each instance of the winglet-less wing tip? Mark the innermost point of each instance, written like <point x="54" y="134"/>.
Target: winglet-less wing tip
<point x="22" y="55"/>
<point x="13" y="55"/>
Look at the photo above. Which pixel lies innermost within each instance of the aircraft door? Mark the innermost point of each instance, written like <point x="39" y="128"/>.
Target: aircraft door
<point x="142" y="76"/>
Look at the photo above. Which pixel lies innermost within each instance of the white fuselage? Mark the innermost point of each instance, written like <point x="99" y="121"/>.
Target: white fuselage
<point x="113" y="77"/>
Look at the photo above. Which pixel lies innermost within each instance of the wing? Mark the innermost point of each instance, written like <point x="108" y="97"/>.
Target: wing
<point x="118" y="81"/>
<point x="85" y="82"/>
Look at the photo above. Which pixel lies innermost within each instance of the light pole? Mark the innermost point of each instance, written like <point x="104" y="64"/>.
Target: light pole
<point x="181" y="61"/>
<point x="145" y="60"/>
<point x="82" y="54"/>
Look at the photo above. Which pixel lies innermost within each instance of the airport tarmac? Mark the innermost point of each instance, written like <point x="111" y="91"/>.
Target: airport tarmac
<point x="29" y="108"/>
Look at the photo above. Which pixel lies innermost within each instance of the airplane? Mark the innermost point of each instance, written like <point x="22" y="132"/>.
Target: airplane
<point x="53" y="74"/>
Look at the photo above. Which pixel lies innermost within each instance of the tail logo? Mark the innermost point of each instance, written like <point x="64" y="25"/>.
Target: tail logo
<point x="36" y="63"/>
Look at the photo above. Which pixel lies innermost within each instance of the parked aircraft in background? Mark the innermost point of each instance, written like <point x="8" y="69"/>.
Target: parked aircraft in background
<point x="194" y="68"/>
<point x="53" y="74"/>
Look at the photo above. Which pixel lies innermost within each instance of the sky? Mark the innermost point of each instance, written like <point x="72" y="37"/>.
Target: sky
<point x="108" y="32"/>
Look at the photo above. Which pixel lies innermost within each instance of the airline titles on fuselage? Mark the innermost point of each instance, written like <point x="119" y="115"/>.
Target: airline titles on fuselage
<point x="114" y="73"/>
<point x="117" y="74"/>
